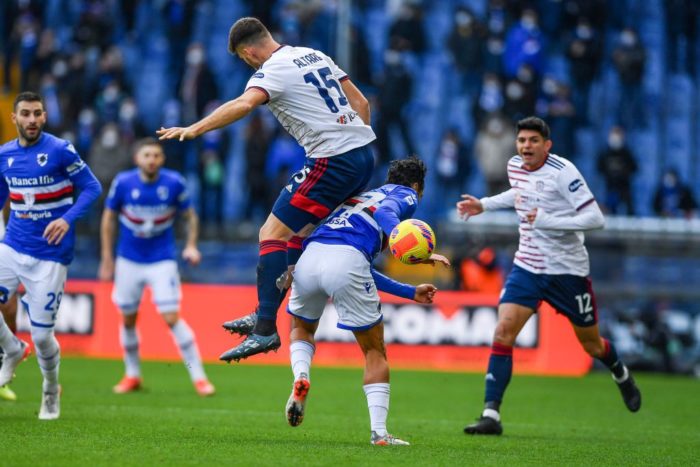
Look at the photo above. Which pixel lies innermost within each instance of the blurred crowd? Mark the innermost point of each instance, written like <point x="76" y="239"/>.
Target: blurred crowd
<point x="447" y="79"/>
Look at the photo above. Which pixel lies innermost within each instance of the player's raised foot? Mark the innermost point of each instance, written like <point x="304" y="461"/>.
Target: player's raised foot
<point x="127" y="384"/>
<point x="7" y="394"/>
<point x="297" y="400"/>
<point x="484" y="426"/>
<point x="387" y="440"/>
<point x="629" y="390"/>
<point x="243" y="326"/>
<point x="50" y="405"/>
<point x="204" y="388"/>
<point x="10" y="362"/>
<point x="252" y="345"/>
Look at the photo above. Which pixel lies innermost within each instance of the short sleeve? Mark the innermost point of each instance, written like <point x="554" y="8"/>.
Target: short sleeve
<point x="337" y="71"/>
<point x="574" y="188"/>
<point x="268" y="79"/>
<point x="114" y="199"/>
<point x="71" y="161"/>
<point x="183" y="200"/>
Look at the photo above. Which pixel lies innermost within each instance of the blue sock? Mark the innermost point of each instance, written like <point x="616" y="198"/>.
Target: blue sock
<point x="272" y="262"/>
<point x="611" y="360"/>
<point x="498" y="374"/>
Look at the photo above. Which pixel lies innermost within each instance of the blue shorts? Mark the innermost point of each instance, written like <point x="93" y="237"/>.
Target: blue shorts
<point x="321" y="185"/>
<point x="569" y="295"/>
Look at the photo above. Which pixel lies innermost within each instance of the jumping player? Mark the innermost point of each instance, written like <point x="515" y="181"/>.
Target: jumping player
<point x="147" y="199"/>
<point x="337" y="263"/>
<point x="41" y="174"/>
<point x="555" y="206"/>
<point x="318" y="105"/>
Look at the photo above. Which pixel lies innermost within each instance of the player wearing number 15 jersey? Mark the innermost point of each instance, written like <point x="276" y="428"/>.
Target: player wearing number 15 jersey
<point x="41" y="175"/>
<point x="315" y="101"/>
<point x="555" y="206"/>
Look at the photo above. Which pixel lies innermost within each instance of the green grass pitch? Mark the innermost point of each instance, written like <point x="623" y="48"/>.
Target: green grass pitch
<point x="547" y="421"/>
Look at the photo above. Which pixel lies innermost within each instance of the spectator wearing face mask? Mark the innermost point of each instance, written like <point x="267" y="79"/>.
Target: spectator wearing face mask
<point x="466" y="44"/>
<point x="495" y="145"/>
<point x="629" y="58"/>
<point x="673" y="198"/>
<point x="197" y="85"/>
<point x="617" y="166"/>
<point x="452" y="165"/>
<point x="490" y="99"/>
<point x="525" y="43"/>
<point x="108" y="156"/>
<point x="584" y="51"/>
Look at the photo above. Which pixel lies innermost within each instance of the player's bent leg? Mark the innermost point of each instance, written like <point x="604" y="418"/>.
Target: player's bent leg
<point x="9" y="312"/>
<point x="16" y="351"/>
<point x="301" y="353"/>
<point x="511" y="319"/>
<point x="604" y="350"/>
<point x="187" y="344"/>
<point x="49" y="357"/>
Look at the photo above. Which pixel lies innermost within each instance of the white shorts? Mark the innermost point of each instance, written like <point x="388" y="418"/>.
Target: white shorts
<point x="131" y="277"/>
<point x="43" y="281"/>
<point x="342" y="273"/>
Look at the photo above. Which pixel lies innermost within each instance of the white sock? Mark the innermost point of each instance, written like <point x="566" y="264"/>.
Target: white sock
<point x="491" y="413"/>
<point x="378" y="403"/>
<point x="48" y="355"/>
<point x="184" y="338"/>
<point x="130" y="343"/>
<point x="9" y="343"/>
<point x="300" y="354"/>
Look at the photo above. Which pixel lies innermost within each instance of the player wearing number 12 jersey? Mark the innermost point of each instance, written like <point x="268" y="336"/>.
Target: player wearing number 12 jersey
<point x="555" y="206"/>
<point x="315" y="101"/>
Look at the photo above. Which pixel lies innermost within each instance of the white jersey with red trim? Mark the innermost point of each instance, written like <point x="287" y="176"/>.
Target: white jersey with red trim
<point x="305" y="95"/>
<point x="558" y="191"/>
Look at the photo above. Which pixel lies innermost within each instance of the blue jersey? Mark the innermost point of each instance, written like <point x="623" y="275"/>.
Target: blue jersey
<point x="366" y="220"/>
<point x="41" y="181"/>
<point x="147" y="211"/>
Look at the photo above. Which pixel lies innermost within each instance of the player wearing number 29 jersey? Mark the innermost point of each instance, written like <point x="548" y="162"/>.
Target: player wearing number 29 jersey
<point x="315" y="101"/>
<point x="554" y="206"/>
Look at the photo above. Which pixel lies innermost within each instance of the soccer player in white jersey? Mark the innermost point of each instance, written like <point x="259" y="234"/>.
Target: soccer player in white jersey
<point x="315" y="101"/>
<point x="146" y="200"/>
<point x="337" y="264"/>
<point x="555" y="207"/>
<point x="40" y="175"/>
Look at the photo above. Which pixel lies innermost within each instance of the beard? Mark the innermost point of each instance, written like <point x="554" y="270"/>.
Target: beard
<point x="30" y="139"/>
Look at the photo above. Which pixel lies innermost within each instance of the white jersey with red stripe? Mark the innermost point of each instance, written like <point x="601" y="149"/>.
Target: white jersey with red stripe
<point x="559" y="192"/>
<point x="305" y="95"/>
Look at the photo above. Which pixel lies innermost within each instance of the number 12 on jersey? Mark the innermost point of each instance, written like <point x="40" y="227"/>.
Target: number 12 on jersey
<point x="328" y="82"/>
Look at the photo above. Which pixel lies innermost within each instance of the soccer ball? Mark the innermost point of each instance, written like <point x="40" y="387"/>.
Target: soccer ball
<point x="412" y="241"/>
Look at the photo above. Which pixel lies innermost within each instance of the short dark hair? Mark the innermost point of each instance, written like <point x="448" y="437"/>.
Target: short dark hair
<point x="534" y="124"/>
<point x="143" y="142"/>
<point x="28" y="96"/>
<point x="407" y="172"/>
<point x="246" y="31"/>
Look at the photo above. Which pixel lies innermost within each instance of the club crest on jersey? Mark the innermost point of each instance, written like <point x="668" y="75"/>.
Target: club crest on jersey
<point x="10" y="160"/>
<point x="162" y="192"/>
<point x="135" y="193"/>
<point x="42" y="158"/>
<point x="29" y="199"/>
<point x="539" y="186"/>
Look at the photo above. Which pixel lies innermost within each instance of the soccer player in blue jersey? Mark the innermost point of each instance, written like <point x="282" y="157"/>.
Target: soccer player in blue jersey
<point x="147" y="200"/>
<point x="41" y="175"/>
<point x="337" y="263"/>
<point x="315" y="101"/>
<point x="555" y="207"/>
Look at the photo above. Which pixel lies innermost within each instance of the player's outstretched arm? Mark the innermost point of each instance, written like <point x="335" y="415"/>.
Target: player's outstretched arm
<point x="357" y="100"/>
<point x="425" y="293"/>
<point x="225" y="114"/>
<point x="107" y="226"/>
<point x="191" y="253"/>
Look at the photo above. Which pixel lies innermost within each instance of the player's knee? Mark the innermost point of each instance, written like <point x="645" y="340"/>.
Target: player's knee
<point x="129" y="320"/>
<point x="44" y="339"/>
<point x="274" y="229"/>
<point x="504" y="334"/>
<point x="171" y="318"/>
<point x="594" y="348"/>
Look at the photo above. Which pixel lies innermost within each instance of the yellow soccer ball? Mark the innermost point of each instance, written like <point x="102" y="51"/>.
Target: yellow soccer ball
<point x="412" y="241"/>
